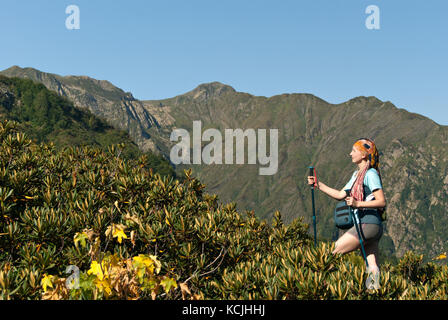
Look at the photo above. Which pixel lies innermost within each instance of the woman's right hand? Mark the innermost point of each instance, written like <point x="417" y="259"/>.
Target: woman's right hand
<point x="311" y="180"/>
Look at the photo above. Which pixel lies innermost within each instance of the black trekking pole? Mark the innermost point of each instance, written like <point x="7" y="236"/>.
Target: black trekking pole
<point x="311" y="173"/>
<point x="360" y="236"/>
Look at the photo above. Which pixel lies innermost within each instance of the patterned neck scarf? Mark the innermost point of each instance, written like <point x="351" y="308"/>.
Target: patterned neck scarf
<point x="366" y="147"/>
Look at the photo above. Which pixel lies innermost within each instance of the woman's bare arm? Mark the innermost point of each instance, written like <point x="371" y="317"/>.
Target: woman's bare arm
<point x="335" y="194"/>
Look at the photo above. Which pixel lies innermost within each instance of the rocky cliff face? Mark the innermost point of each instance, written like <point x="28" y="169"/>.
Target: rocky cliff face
<point x="103" y="99"/>
<point x="311" y="132"/>
<point x="47" y="117"/>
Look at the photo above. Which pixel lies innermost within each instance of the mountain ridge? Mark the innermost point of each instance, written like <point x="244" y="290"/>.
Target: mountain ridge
<point x="311" y="131"/>
<point x="114" y="105"/>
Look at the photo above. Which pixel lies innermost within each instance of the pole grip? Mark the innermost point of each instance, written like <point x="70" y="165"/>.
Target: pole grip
<point x="311" y="172"/>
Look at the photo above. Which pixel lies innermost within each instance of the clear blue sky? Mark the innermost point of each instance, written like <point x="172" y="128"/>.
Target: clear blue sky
<point x="159" y="49"/>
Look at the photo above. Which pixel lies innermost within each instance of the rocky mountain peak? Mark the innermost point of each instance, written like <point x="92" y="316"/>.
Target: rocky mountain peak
<point x="210" y="90"/>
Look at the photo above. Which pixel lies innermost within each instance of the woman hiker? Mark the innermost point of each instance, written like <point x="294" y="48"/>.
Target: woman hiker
<point x="365" y="155"/>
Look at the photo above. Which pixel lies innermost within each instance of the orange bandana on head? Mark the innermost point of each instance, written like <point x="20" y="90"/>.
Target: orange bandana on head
<point x="367" y="147"/>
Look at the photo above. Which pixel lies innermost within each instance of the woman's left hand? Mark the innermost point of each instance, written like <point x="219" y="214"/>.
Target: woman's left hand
<point x="351" y="202"/>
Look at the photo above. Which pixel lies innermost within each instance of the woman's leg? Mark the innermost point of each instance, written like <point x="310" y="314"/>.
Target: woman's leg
<point x="373" y="280"/>
<point x="372" y="253"/>
<point x="350" y="242"/>
<point x="347" y="243"/>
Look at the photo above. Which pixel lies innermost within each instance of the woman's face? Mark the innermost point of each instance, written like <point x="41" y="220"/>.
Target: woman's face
<point x="356" y="155"/>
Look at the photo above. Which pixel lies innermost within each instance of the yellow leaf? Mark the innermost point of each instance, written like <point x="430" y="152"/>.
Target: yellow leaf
<point x="441" y="257"/>
<point x="143" y="259"/>
<point x="95" y="268"/>
<point x="117" y="232"/>
<point x="120" y="235"/>
<point x="143" y="262"/>
<point x="80" y="237"/>
<point x="104" y="286"/>
<point x="47" y="281"/>
<point x="168" y="283"/>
